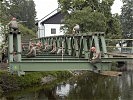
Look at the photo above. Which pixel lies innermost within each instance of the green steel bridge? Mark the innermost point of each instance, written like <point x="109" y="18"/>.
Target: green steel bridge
<point x="76" y="53"/>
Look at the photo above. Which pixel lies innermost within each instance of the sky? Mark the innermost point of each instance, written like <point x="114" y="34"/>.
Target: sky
<point x="44" y="7"/>
<point x="116" y="8"/>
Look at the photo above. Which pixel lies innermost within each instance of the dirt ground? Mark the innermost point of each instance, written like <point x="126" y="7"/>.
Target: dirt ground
<point x="3" y="66"/>
<point x="111" y="73"/>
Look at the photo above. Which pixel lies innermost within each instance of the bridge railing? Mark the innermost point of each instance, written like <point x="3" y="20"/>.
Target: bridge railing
<point x="76" y="45"/>
<point x="120" y="45"/>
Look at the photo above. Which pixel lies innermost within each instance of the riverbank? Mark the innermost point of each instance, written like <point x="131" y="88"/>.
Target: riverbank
<point x="49" y="86"/>
<point x="14" y="82"/>
<point x="9" y="82"/>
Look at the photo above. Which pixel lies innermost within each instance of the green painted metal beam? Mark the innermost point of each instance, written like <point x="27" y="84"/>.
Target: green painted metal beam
<point x="19" y="47"/>
<point x="53" y="59"/>
<point x="56" y="66"/>
<point x="52" y="56"/>
<point x="114" y="59"/>
<point x="76" y="58"/>
<point x="86" y="49"/>
<point x="103" y="43"/>
<point x="47" y="54"/>
<point x="10" y="46"/>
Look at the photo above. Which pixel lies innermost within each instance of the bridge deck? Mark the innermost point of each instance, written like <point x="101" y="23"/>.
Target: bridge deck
<point x="56" y="65"/>
<point x="77" y="59"/>
<point x="120" y="54"/>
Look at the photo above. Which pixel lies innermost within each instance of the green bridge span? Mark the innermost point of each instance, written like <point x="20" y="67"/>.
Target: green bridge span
<point x="76" y="53"/>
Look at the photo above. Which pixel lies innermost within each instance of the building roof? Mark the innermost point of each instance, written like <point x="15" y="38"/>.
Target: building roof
<point x="57" y="18"/>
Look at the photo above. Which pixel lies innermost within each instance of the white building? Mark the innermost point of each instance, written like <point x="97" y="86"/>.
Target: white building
<point x="50" y="25"/>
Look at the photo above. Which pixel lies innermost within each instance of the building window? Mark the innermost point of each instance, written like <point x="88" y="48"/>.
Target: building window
<point x="53" y="31"/>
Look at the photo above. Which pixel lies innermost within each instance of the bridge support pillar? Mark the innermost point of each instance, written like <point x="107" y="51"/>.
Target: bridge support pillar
<point x="96" y="42"/>
<point x="19" y="47"/>
<point x="104" y="46"/>
<point x="14" y="46"/>
<point x="14" y="49"/>
<point x="76" y="47"/>
<point x="10" y="47"/>
<point x="86" y="49"/>
<point x="69" y="46"/>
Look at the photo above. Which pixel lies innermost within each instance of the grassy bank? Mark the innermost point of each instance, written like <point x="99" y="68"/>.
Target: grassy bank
<point x="10" y="82"/>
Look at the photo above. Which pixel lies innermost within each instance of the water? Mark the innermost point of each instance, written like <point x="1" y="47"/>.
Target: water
<point x="88" y="87"/>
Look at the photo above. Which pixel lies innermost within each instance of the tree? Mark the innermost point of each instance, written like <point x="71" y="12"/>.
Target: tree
<point x="91" y="15"/>
<point x="3" y="19"/>
<point x="114" y="29"/>
<point x="31" y="14"/>
<point x="23" y="10"/>
<point x="3" y="13"/>
<point x="127" y="18"/>
<point x="88" y="22"/>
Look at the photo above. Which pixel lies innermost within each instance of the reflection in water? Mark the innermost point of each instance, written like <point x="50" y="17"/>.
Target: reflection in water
<point x="89" y="87"/>
<point x="63" y="90"/>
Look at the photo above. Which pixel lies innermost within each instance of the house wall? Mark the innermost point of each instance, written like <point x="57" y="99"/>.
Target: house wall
<point x="48" y="28"/>
<point x="41" y="31"/>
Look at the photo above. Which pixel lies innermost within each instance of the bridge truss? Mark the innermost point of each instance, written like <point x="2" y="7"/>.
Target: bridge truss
<point x="76" y="53"/>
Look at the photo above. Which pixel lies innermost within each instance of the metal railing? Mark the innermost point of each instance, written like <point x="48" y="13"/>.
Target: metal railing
<point x="120" y="45"/>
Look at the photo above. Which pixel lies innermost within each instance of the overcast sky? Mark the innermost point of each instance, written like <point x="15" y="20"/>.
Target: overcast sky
<point x="44" y="7"/>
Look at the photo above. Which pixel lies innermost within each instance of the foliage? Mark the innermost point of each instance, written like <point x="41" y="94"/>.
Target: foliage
<point x="127" y="17"/>
<point x="91" y="15"/>
<point x="4" y="13"/>
<point x="88" y="22"/>
<point x="23" y="10"/>
<point x="25" y="31"/>
<point x="114" y="27"/>
<point x="13" y="82"/>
